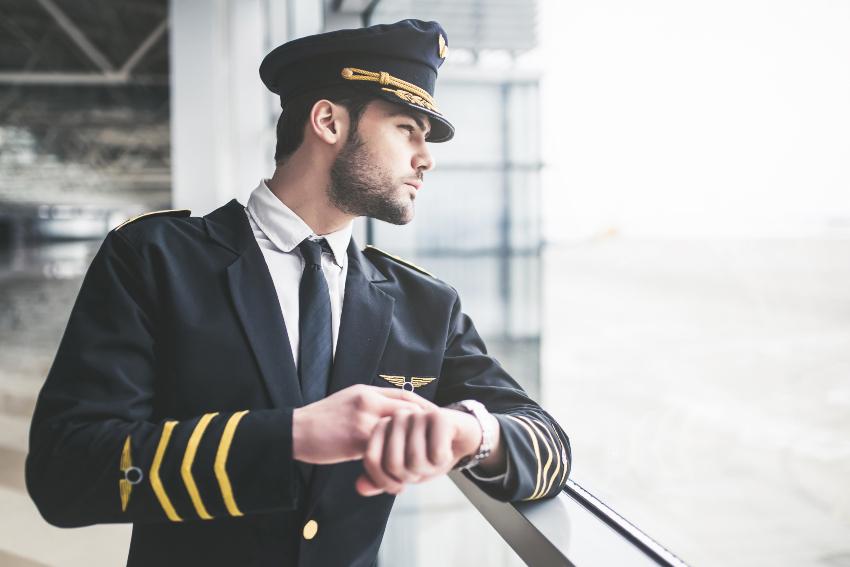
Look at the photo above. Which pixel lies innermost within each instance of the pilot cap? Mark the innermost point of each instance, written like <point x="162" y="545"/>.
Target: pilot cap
<point x="397" y="62"/>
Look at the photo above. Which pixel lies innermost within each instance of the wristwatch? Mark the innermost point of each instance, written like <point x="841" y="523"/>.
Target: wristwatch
<point x="485" y="421"/>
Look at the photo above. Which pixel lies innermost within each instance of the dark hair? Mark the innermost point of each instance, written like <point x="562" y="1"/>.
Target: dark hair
<point x="296" y="111"/>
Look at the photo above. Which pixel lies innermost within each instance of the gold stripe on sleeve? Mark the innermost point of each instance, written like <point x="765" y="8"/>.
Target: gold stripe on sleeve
<point x="548" y="486"/>
<point x="125" y="489"/>
<point x="536" y="451"/>
<point x="156" y="482"/>
<point x="564" y="460"/>
<point x="542" y="489"/>
<point x="221" y="461"/>
<point x="189" y="458"/>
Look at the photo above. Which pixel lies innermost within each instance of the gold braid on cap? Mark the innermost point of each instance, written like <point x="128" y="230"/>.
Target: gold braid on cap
<point x="404" y="90"/>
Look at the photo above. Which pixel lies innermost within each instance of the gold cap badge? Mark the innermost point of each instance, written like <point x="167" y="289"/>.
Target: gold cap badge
<point x="443" y="48"/>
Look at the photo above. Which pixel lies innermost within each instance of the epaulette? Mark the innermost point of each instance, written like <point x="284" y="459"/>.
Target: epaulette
<point x="399" y="260"/>
<point x="166" y="212"/>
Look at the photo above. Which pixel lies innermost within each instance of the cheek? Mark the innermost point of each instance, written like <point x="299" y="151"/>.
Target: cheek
<point x="393" y="152"/>
<point x="394" y="160"/>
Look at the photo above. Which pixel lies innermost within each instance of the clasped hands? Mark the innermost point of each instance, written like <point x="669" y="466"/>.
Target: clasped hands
<point x="401" y="437"/>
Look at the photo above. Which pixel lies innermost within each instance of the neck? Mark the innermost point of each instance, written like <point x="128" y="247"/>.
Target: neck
<point x="302" y="187"/>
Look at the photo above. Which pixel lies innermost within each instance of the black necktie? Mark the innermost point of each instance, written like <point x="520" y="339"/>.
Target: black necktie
<point x="315" y="342"/>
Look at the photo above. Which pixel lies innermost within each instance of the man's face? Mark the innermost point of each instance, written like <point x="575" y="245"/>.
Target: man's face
<point x="380" y="169"/>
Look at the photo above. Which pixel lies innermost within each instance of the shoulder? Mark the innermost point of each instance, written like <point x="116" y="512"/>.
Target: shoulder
<point x="383" y="257"/>
<point x="173" y="213"/>
<point x="408" y="277"/>
<point x="165" y="227"/>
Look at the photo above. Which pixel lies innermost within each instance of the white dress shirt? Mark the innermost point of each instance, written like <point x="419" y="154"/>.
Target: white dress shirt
<point x="279" y="231"/>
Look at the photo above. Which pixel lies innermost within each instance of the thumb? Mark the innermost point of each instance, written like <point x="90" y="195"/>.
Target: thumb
<point x="365" y="486"/>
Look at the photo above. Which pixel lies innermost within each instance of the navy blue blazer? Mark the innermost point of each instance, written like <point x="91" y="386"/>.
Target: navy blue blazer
<point x="169" y="403"/>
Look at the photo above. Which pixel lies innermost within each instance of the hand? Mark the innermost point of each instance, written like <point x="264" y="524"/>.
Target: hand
<point x="338" y="428"/>
<point x="415" y="446"/>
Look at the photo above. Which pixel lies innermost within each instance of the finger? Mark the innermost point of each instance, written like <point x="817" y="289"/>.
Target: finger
<point x="372" y="460"/>
<point x="440" y="433"/>
<point x="416" y="448"/>
<point x="394" y="448"/>
<point x="365" y="486"/>
<point x="372" y="485"/>
<point x="390" y="398"/>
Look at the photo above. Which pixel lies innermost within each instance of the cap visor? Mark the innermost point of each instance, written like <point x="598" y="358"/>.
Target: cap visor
<point x="441" y="129"/>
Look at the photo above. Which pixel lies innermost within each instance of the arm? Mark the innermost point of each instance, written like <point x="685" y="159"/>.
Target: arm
<point x="531" y="454"/>
<point x="96" y="452"/>
<point x="536" y="449"/>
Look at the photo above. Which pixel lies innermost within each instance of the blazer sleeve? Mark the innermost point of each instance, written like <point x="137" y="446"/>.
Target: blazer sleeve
<point x="97" y="456"/>
<point x="537" y="448"/>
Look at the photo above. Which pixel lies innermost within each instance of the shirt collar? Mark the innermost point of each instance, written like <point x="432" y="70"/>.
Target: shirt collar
<point x="287" y="230"/>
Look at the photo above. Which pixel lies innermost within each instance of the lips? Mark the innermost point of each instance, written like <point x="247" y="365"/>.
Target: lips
<point x="415" y="184"/>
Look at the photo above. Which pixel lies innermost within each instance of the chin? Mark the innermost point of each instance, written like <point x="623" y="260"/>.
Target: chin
<point x="400" y="217"/>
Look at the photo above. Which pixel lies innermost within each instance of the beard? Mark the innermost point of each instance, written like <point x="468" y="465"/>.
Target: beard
<point x="358" y="187"/>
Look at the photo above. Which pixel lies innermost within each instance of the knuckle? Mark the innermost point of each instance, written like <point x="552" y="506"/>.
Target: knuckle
<point x="395" y="467"/>
<point x="401" y="414"/>
<point x="362" y="427"/>
<point x="361" y="398"/>
<point x="414" y="461"/>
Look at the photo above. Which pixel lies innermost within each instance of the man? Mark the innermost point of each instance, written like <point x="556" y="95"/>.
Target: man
<point x="249" y="387"/>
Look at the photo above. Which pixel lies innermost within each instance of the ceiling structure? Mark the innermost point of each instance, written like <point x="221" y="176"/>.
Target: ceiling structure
<point x="474" y="25"/>
<point x="84" y="88"/>
<point x="84" y="102"/>
<point x="82" y="43"/>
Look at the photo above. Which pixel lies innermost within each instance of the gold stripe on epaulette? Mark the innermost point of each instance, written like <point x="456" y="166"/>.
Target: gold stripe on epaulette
<point x="152" y="213"/>
<point x="400" y="260"/>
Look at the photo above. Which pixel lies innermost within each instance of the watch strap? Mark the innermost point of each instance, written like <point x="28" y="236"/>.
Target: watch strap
<point x="485" y="422"/>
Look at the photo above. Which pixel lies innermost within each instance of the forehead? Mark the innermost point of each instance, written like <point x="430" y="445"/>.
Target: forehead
<point x="388" y="110"/>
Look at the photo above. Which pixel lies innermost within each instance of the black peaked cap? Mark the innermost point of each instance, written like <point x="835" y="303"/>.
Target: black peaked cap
<point x="398" y="62"/>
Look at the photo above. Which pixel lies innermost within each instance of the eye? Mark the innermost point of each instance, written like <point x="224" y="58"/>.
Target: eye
<point x="407" y="127"/>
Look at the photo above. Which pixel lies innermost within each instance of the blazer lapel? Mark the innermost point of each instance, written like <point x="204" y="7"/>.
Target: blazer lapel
<point x="255" y="300"/>
<point x="365" y="325"/>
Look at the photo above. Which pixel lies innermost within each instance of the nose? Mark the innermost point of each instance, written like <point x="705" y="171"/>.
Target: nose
<point x="423" y="160"/>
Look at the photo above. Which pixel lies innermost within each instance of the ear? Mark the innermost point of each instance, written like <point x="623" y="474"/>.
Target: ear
<point x="328" y="121"/>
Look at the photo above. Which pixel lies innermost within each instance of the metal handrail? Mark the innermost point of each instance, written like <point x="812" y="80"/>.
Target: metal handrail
<point x="573" y="529"/>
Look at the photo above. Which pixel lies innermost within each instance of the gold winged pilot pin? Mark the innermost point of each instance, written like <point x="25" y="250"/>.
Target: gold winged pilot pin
<point x="410" y="384"/>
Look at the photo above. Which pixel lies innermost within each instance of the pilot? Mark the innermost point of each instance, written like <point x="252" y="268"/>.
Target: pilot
<point x="250" y="387"/>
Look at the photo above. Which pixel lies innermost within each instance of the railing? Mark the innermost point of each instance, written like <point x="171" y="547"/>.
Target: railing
<point x="572" y="529"/>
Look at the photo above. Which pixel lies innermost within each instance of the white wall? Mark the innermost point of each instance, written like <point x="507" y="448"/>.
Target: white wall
<point x="222" y="116"/>
<point x="676" y="118"/>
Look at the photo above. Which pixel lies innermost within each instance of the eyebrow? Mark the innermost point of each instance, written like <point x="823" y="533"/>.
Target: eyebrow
<point x="414" y="117"/>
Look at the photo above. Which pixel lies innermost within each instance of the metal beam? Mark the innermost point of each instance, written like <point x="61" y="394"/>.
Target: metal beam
<point x="77" y="36"/>
<point x="144" y="47"/>
<point x="106" y="79"/>
<point x="109" y="77"/>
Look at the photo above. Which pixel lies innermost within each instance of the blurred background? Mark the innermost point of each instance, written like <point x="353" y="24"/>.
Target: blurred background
<point x="646" y="210"/>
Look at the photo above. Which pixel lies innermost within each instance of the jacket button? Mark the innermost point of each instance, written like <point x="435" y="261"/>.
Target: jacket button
<point x="310" y="529"/>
